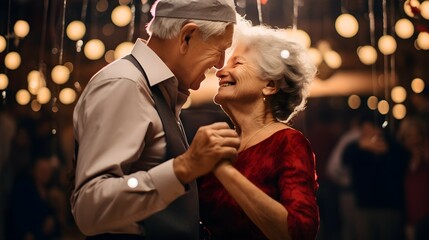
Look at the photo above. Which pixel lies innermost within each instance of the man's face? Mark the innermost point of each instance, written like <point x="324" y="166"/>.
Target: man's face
<point x="202" y="56"/>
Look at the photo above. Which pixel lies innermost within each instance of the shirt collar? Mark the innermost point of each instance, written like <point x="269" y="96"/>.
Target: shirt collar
<point x="154" y="67"/>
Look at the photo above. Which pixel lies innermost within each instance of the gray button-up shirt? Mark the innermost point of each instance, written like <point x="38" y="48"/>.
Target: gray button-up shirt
<point x="121" y="137"/>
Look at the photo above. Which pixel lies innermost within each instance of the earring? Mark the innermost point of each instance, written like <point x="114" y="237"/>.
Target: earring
<point x="264" y="99"/>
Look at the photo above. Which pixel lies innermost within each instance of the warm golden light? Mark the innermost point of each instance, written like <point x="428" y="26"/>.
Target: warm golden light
<point x="399" y="111"/>
<point x="123" y="49"/>
<point x="76" y="30"/>
<point x="367" y="54"/>
<point x="60" y="74"/>
<point x="354" y="101"/>
<point x="70" y="66"/>
<point x="299" y="36"/>
<point x="372" y="102"/>
<point x="44" y="95"/>
<point x="12" y="60"/>
<point x="315" y="55"/>
<point x="346" y="25"/>
<point x="23" y="97"/>
<point x="109" y="56"/>
<point x="407" y="7"/>
<point x="332" y="59"/>
<point x="21" y="28"/>
<point x="417" y="85"/>
<point x="383" y="107"/>
<point x="35" y="81"/>
<point x="102" y="5"/>
<point x="4" y="81"/>
<point x="404" y="28"/>
<point x="387" y="44"/>
<point x="2" y="44"/>
<point x="94" y="49"/>
<point x="424" y="9"/>
<point x="121" y="15"/>
<point x="67" y="96"/>
<point x="398" y="94"/>
<point x="35" y="105"/>
<point x="423" y="40"/>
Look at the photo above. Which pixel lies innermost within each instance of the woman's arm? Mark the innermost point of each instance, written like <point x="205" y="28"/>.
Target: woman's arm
<point x="269" y="215"/>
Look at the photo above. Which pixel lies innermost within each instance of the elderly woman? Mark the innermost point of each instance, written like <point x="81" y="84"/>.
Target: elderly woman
<point x="269" y="191"/>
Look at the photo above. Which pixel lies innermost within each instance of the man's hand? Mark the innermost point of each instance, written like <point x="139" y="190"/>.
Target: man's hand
<point x="211" y="144"/>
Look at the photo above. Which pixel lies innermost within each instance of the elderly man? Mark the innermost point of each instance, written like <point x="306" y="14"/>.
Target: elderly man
<point x="134" y="173"/>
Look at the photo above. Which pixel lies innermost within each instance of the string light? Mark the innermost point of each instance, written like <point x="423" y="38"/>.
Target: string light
<point x="4" y="81"/>
<point x="2" y="44"/>
<point x="346" y="25"/>
<point x="12" y="60"/>
<point x="21" y="28"/>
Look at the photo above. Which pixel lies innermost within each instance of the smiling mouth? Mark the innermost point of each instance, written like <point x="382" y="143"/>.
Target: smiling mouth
<point x="227" y="84"/>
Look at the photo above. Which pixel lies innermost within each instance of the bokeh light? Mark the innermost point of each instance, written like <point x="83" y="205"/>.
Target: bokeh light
<point x="67" y="96"/>
<point x="123" y="49"/>
<point x="417" y="85"/>
<point x="354" y="101"/>
<point x="424" y="9"/>
<point x="398" y="94"/>
<point x="44" y="95"/>
<point x="367" y="54"/>
<point x="407" y="7"/>
<point x="23" y="97"/>
<point x="387" y="45"/>
<point x="35" y="105"/>
<point x="12" y="60"/>
<point x="404" y="28"/>
<point x="21" y="28"/>
<point x="3" y="44"/>
<point x="332" y="59"/>
<point x="372" y="102"/>
<point x="121" y="15"/>
<point x="60" y="74"/>
<point x="299" y="36"/>
<point x="383" y="107"/>
<point x="346" y="25"/>
<point x="399" y="111"/>
<point x="315" y="55"/>
<point x="76" y="30"/>
<point x="94" y="49"/>
<point x="423" y="40"/>
<point x="4" y="81"/>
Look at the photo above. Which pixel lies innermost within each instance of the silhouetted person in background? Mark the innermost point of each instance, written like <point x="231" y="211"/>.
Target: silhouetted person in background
<point x="377" y="165"/>
<point x="30" y="215"/>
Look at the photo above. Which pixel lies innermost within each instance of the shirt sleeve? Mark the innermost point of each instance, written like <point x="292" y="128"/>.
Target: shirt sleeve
<point x="297" y="184"/>
<point x="114" y="120"/>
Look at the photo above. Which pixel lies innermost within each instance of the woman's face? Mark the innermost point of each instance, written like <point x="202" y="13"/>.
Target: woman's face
<point x="239" y="81"/>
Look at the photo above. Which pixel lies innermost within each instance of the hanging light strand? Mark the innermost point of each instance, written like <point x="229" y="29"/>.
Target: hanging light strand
<point x="259" y="6"/>
<point x="386" y="75"/>
<point x="63" y="24"/>
<point x="3" y="94"/>
<point x="372" y="41"/>
<point x="295" y="15"/>
<point x="42" y="65"/>
<point x="84" y="9"/>
<point x="132" y="22"/>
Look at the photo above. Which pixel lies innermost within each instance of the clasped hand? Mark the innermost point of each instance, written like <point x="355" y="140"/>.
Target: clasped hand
<point x="211" y="144"/>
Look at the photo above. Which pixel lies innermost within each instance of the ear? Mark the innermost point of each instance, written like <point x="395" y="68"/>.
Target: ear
<point x="270" y="88"/>
<point x="186" y="35"/>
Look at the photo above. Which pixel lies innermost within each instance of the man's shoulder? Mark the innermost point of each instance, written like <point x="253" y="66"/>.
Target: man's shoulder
<point x="119" y="69"/>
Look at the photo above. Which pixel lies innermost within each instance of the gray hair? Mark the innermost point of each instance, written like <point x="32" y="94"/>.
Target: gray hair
<point x="279" y="60"/>
<point x="168" y="28"/>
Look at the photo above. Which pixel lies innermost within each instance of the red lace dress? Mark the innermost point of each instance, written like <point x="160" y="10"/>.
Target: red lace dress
<point x="283" y="166"/>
